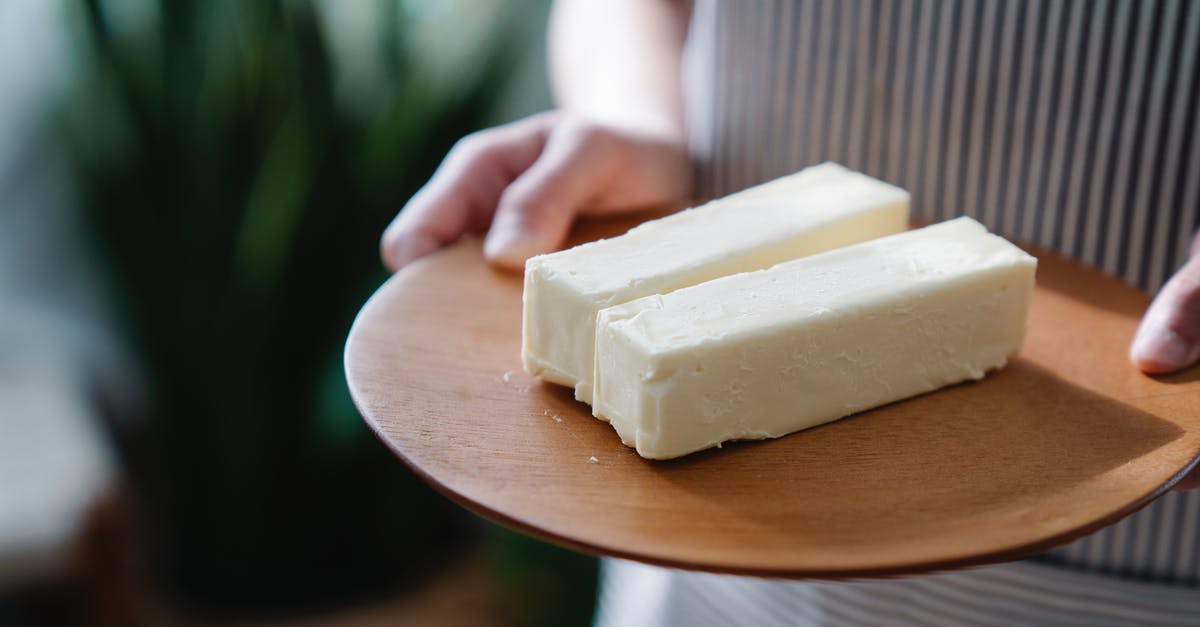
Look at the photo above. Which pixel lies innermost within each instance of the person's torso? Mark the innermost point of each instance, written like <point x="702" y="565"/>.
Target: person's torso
<point x="1071" y="125"/>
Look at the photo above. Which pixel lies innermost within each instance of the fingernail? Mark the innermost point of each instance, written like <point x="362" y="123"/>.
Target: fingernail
<point x="1163" y="350"/>
<point x="510" y="246"/>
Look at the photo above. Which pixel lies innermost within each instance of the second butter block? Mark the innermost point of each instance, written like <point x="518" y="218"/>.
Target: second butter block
<point x="763" y="354"/>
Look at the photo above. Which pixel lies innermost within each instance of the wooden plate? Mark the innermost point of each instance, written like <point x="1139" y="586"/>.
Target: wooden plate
<point x="1066" y="439"/>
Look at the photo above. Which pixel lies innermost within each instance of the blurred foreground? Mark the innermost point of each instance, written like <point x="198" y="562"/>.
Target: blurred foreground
<point x="191" y="195"/>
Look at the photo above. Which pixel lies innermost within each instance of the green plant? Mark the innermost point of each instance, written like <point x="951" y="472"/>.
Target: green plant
<point x="237" y="174"/>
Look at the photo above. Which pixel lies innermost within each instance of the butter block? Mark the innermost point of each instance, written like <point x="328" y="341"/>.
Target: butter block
<point x="763" y="354"/>
<point x="814" y="210"/>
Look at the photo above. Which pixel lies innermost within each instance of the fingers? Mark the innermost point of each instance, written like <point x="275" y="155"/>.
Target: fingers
<point x="463" y="193"/>
<point x="1168" y="338"/>
<point x="535" y="213"/>
<point x="529" y="180"/>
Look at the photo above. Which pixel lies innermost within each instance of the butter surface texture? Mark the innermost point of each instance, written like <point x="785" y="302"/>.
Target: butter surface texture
<point x="817" y="209"/>
<point x="763" y="354"/>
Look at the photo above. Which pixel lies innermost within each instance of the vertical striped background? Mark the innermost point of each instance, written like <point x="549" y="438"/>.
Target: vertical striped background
<point x="1070" y="124"/>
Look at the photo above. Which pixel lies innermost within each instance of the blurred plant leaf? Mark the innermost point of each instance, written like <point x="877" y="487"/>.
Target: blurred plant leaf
<point x="273" y="209"/>
<point x="237" y="196"/>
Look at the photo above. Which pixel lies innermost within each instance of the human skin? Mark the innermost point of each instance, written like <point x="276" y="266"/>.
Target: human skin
<point x="616" y="144"/>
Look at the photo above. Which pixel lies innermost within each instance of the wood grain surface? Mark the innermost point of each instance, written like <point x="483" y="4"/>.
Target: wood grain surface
<point x="1064" y="440"/>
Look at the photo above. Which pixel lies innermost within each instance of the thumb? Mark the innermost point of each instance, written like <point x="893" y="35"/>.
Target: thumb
<point x="535" y="212"/>
<point x="1168" y="338"/>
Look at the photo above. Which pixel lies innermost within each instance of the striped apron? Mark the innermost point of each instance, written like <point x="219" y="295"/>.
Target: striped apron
<point x="1072" y="125"/>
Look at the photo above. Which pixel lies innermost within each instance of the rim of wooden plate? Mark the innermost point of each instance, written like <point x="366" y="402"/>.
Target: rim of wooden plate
<point x="514" y="520"/>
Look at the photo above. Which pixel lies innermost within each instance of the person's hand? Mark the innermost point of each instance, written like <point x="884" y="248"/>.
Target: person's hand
<point x="1168" y="338"/>
<point x="526" y="182"/>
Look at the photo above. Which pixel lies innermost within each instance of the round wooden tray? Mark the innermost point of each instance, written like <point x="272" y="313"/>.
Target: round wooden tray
<point x="1066" y="439"/>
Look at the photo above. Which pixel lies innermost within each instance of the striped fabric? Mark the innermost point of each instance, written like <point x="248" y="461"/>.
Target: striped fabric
<point x="1069" y="124"/>
<point x="1023" y="593"/>
<point x="1073" y="125"/>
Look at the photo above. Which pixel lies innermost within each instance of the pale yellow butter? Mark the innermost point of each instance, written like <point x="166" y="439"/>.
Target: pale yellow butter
<point x="763" y="354"/>
<point x="815" y="210"/>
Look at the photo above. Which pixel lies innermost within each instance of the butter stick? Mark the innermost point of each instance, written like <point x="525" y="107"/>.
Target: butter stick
<point x="815" y="210"/>
<point x="763" y="354"/>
